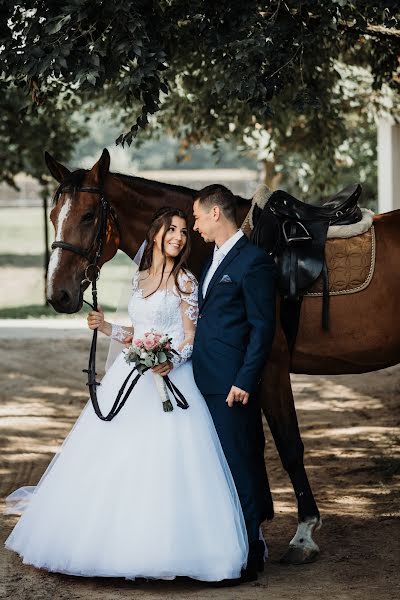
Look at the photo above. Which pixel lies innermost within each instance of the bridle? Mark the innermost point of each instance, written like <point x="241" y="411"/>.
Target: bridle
<point x="92" y="255"/>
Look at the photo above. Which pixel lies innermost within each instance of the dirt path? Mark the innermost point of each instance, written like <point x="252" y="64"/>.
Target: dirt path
<point x="350" y="427"/>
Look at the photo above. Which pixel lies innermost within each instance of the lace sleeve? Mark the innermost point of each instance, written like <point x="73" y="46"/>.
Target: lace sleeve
<point x="189" y="300"/>
<point x="189" y="311"/>
<point x="118" y="332"/>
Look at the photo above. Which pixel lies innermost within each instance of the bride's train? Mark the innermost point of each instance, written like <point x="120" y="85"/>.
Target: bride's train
<point x="148" y="494"/>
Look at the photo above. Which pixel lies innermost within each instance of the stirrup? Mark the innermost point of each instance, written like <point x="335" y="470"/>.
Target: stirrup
<point x="293" y="239"/>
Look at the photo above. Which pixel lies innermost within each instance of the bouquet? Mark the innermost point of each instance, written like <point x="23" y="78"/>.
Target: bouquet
<point x="153" y="349"/>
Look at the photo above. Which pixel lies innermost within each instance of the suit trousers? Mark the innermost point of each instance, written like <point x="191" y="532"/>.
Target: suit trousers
<point x="241" y="434"/>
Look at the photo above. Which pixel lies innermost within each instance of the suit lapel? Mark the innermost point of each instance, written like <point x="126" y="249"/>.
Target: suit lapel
<point x="242" y="241"/>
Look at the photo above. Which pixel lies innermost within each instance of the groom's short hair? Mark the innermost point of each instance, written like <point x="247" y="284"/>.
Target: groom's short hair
<point x="218" y="195"/>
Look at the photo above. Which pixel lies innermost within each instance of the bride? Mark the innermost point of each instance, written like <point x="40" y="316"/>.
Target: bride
<point x="148" y="494"/>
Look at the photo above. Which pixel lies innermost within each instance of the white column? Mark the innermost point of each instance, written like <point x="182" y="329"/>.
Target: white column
<point x="388" y="165"/>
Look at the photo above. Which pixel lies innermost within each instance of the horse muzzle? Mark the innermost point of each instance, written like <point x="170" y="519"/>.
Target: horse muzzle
<point x="63" y="301"/>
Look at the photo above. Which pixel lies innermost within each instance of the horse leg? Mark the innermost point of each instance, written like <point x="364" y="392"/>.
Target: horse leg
<point x="278" y="406"/>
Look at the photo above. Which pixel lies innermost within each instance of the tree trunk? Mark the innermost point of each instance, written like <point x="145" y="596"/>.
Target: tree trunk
<point x="269" y="176"/>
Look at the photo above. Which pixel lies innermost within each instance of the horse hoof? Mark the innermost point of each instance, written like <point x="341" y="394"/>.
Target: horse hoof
<point x="299" y="556"/>
<point x="302" y="548"/>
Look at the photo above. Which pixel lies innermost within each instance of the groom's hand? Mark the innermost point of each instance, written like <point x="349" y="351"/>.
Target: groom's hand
<point x="237" y="395"/>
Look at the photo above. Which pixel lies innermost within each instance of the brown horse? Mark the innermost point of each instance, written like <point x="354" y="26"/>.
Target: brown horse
<point x="362" y="336"/>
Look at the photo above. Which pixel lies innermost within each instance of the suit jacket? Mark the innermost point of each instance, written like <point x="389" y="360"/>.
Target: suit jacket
<point x="236" y="323"/>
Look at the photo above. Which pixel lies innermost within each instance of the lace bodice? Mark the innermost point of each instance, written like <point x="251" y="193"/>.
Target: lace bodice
<point x="168" y="311"/>
<point x="161" y="310"/>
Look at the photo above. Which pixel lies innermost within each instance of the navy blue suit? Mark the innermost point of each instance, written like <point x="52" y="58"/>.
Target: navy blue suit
<point x="234" y="336"/>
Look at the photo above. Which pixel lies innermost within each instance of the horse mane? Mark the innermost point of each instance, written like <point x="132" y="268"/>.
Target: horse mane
<point x="75" y="180"/>
<point x="151" y="183"/>
<point x="158" y="185"/>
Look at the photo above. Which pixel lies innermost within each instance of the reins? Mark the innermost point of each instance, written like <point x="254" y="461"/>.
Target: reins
<point x="92" y="278"/>
<point x="92" y="274"/>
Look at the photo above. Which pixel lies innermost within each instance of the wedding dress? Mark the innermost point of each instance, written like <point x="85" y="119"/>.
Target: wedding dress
<point x="148" y="494"/>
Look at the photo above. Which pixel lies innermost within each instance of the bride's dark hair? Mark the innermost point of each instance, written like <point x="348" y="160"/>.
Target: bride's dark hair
<point x="163" y="217"/>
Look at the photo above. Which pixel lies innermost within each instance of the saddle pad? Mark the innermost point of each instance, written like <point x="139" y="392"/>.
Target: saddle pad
<point x="351" y="263"/>
<point x="347" y="231"/>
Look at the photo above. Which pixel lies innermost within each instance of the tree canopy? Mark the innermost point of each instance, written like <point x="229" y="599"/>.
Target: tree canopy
<point x="25" y="133"/>
<point x="270" y="73"/>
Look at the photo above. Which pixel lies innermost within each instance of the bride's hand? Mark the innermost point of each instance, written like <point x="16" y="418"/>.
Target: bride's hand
<point x="163" y="369"/>
<point x="128" y="341"/>
<point x="95" y="319"/>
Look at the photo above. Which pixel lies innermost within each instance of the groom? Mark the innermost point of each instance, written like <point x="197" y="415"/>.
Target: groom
<point x="234" y="335"/>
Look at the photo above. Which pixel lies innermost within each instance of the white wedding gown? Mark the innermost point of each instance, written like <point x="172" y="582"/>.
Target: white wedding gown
<point x="148" y="494"/>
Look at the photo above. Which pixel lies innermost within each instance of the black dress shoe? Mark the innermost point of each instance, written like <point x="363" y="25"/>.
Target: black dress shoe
<point x="245" y="577"/>
<point x="255" y="565"/>
<point x="225" y="583"/>
<point x="248" y="574"/>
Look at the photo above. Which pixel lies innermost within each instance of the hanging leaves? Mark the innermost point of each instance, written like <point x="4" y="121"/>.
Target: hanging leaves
<point x="211" y="70"/>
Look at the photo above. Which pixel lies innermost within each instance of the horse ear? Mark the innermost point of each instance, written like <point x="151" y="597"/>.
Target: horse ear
<point x="101" y="169"/>
<point x="58" y="170"/>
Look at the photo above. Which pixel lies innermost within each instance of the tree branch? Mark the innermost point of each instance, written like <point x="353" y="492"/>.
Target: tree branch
<point x="378" y="30"/>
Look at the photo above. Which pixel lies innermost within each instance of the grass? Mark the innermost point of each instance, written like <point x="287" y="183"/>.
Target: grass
<point x="21" y="230"/>
<point x="37" y="260"/>
<point x="21" y="260"/>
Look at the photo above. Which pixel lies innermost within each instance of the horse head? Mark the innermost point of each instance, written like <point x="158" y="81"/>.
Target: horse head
<point x="86" y="232"/>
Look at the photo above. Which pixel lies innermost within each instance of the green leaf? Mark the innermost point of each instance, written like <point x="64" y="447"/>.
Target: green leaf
<point x="162" y="357"/>
<point x="91" y="78"/>
<point x="55" y="28"/>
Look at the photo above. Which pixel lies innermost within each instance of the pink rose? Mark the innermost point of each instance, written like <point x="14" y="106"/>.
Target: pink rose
<point x="150" y="343"/>
<point x="138" y="342"/>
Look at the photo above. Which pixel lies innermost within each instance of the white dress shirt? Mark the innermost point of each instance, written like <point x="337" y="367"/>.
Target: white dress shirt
<point x="219" y="255"/>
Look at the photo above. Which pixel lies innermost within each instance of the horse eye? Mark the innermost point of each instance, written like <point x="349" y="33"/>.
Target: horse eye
<point x="87" y="217"/>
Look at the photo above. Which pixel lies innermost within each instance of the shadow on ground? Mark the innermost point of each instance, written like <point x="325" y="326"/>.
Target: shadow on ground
<point x="350" y="429"/>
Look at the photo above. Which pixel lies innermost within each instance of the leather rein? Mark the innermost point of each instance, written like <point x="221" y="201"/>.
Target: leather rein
<point x="92" y="255"/>
<point x="92" y="274"/>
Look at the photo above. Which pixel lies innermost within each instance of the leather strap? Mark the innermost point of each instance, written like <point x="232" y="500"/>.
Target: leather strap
<point x="325" y="297"/>
<point x="177" y="394"/>
<point x="71" y="247"/>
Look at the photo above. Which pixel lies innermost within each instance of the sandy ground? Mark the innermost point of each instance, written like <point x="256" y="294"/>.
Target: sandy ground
<point x="350" y="427"/>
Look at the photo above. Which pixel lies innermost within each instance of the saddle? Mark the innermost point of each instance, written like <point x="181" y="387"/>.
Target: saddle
<point x="295" y="233"/>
